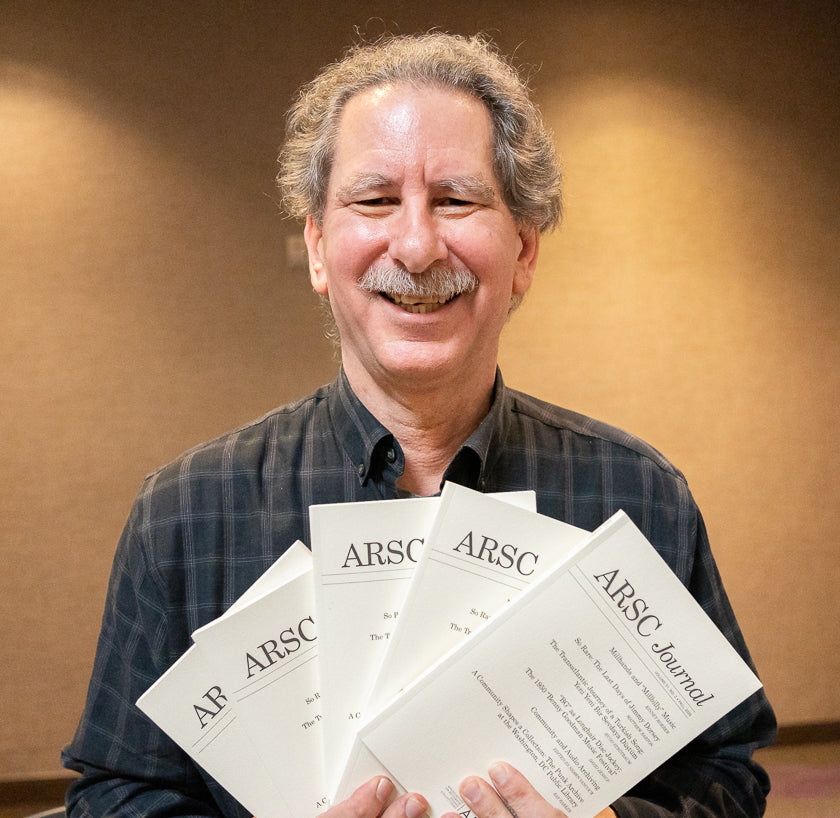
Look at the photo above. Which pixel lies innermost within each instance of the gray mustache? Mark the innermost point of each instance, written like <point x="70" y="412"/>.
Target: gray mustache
<point x="439" y="281"/>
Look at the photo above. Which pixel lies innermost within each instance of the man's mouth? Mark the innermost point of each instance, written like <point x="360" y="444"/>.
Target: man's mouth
<point x="418" y="293"/>
<point x="418" y="304"/>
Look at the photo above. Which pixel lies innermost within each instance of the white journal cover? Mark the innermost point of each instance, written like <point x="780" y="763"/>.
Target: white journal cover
<point x="363" y="557"/>
<point x="189" y="705"/>
<point x="481" y="552"/>
<point x="266" y="655"/>
<point x="587" y="682"/>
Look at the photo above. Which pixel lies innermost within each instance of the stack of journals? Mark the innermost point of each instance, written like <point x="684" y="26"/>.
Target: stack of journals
<point x="426" y="639"/>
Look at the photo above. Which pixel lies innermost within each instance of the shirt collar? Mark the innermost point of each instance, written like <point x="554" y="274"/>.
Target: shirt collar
<point x="373" y="450"/>
<point x="477" y="456"/>
<point x="360" y="434"/>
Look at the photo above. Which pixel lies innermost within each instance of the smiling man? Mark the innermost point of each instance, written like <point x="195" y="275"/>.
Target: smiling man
<point x="425" y="177"/>
<point x="420" y="258"/>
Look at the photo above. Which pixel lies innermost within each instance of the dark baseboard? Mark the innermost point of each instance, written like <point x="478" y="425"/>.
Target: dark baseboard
<point x="46" y="789"/>
<point x="816" y="733"/>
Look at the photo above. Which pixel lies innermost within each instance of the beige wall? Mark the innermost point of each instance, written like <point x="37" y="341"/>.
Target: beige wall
<point x="147" y="303"/>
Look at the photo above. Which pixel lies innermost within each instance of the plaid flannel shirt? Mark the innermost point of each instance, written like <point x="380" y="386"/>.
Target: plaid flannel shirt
<point x="206" y="526"/>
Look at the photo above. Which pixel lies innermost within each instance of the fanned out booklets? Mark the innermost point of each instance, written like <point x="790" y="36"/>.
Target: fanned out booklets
<point x="364" y="556"/>
<point x="266" y="657"/>
<point x="481" y="553"/>
<point x="578" y="658"/>
<point x="586" y="682"/>
<point x="188" y="703"/>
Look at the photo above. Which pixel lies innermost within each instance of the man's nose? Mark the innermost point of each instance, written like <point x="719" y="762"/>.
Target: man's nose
<point x="416" y="240"/>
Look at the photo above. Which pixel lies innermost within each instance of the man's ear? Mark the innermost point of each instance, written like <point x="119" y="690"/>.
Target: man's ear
<point x="313" y="235"/>
<point x="526" y="262"/>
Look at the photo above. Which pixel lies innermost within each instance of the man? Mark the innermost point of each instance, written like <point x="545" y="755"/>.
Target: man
<point x="426" y="178"/>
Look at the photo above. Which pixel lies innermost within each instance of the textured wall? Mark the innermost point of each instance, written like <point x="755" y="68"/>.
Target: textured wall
<point x="147" y="303"/>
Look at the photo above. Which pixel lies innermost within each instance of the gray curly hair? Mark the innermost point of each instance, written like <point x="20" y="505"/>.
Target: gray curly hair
<point x="524" y="158"/>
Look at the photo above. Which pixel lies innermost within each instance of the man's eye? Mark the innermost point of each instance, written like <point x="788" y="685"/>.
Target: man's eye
<point x="378" y="201"/>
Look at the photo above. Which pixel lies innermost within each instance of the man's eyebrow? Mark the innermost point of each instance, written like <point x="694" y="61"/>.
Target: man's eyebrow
<point x="464" y="187"/>
<point x="361" y="185"/>
<point x="469" y="187"/>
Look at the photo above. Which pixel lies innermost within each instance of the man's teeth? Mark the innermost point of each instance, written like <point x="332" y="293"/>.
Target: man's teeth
<point x="415" y="304"/>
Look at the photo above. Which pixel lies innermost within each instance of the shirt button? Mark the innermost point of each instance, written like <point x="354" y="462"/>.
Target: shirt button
<point x="361" y="470"/>
<point x="390" y="455"/>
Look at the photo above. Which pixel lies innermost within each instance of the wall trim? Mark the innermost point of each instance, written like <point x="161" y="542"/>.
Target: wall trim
<point x="44" y="787"/>
<point x="814" y="733"/>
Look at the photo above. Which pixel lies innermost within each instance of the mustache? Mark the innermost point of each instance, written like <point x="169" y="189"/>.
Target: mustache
<point x="438" y="281"/>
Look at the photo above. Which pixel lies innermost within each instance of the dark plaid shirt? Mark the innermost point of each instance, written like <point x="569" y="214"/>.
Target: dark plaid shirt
<point x="206" y="526"/>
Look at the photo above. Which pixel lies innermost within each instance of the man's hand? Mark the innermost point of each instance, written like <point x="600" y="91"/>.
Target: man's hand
<point x="375" y="799"/>
<point x="513" y="795"/>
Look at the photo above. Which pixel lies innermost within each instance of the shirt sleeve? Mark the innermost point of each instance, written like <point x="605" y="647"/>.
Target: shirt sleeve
<point x="714" y="776"/>
<point x="128" y="765"/>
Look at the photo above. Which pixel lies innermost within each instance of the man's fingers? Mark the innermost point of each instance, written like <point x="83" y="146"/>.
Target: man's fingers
<point x="513" y="795"/>
<point x="516" y="791"/>
<point x="375" y="799"/>
<point x="368" y="801"/>
<point x="409" y="805"/>
<point x="482" y="799"/>
<point x="413" y="806"/>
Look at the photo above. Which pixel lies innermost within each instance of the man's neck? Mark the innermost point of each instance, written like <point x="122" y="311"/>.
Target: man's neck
<point x="431" y="420"/>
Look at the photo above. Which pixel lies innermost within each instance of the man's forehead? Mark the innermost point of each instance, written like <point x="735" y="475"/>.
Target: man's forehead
<point x="409" y="107"/>
<point x="390" y="123"/>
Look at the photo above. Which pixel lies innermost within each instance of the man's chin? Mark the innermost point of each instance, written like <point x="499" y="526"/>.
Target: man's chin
<point x="416" y="361"/>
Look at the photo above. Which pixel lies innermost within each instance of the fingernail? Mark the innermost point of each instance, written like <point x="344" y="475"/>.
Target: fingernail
<point x="470" y="791"/>
<point x="415" y="808"/>
<point x="383" y="790"/>
<point x="499" y="774"/>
